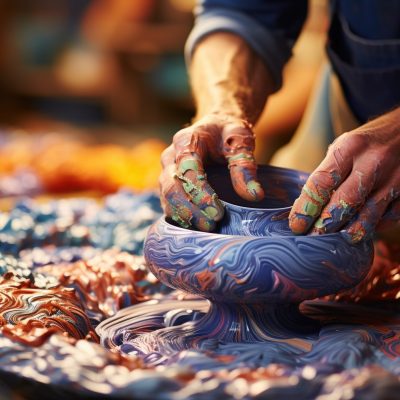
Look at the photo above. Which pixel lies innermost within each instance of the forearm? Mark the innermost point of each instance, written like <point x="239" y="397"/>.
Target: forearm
<point x="385" y="126"/>
<point x="227" y="77"/>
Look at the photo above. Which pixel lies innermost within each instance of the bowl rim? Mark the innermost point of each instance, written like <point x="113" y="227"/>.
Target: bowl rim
<point x="214" y="168"/>
<point x="304" y="174"/>
<point x="339" y="234"/>
<point x="236" y="206"/>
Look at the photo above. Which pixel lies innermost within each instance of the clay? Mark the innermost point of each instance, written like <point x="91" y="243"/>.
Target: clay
<point x="104" y="283"/>
<point x="29" y="314"/>
<point x="173" y="344"/>
<point x="255" y="271"/>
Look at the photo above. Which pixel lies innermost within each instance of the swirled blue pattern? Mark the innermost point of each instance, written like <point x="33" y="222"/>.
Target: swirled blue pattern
<point x="244" y="269"/>
<point x="254" y="342"/>
<point x="253" y="270"/>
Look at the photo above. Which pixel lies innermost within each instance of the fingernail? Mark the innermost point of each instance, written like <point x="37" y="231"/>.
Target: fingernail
<point x="319" y="227"/>
<point x="218" y="205"/>
<point x="300" y="223"/>
<point x="254" y="188"/>
<point x="211" y="212"/>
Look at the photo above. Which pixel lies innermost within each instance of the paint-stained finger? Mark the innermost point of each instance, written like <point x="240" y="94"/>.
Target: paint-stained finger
<point x="377" y="206"/>
<point x="168" y="156"/>
<point x="175" y="201"/>
<point x="177" y="205"/>
<point x="348" y="198"/>
<point x="181" y="210"/>
<point x="189" y="154"/>
<point x="319" y="187"/>
<point x="238" y="149"/>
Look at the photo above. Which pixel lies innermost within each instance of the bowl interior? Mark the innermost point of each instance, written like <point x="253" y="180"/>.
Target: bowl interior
<point x="282" y="186"/>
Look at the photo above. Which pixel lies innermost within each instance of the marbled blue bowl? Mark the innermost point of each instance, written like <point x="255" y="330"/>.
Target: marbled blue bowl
<point x="254" y="257"/>
<point x="253" y="270"/>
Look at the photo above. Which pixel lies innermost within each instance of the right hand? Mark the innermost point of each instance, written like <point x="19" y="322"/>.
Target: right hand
<point x="186" y="196"/>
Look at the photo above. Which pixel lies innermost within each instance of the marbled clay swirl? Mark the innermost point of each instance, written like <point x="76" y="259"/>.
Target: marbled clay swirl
<point x="177" y="345"/>
<point x="246" y="269"/>
<point x="254" y="272"/>
<point x="104" y="283"/>
<point x="29" y="314"/>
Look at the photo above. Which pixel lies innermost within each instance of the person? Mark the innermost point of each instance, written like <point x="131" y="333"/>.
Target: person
<point x="236" y="53"/>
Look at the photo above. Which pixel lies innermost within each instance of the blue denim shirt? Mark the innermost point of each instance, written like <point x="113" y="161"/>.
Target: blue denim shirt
<point x="363" y="42"/>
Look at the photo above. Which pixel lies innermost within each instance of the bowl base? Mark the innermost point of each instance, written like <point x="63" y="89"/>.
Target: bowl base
<point x="187" y="325"/>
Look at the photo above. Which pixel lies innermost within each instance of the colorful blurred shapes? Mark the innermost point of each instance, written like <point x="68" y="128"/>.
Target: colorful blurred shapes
<point x="121" y="220"/>
<point x="64" y="164"/>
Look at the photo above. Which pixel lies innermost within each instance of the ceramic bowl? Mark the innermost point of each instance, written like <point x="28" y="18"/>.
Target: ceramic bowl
<point x="253" y="257"/>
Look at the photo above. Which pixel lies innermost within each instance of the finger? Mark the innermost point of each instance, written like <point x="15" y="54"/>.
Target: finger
<point x="349" y="197"/>
<point x="319" y="186"/>
<point x="177" y="205"/>
<point x="238" y="149"/>
<point x="190" y="147"/>
<point x="168" y="156"/>
<point x="166" y="179"/>
<point x="368" y="218"/>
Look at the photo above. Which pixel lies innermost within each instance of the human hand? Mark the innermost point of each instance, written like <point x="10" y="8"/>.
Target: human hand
<point x="186" y="196"/>
<point x="357" y="185"/>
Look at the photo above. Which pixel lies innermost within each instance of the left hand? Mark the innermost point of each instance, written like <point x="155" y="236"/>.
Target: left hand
<point x="356" y="184"/>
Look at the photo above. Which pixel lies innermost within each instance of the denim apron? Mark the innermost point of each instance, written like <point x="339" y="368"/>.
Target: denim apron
<point x="360" y="81"/>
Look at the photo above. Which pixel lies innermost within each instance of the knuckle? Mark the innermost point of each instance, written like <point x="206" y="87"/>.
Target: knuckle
<point x="182" y="135"/>
<point x="166" y="183"/>
<point x="322" y="183"/>
<point x="354" y="140"/>
<point x="236" y="143"/>
<point x="167" y="156"/>
<point x="237" y="139"/>
<point x="346" y="199"/>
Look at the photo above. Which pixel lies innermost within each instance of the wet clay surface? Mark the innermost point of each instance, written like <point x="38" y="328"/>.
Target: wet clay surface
<point x="57" y="288"/>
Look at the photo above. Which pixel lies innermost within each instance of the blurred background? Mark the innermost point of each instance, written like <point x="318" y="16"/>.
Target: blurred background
<point x="111" y="72"/>
<point x="94" y="62"/>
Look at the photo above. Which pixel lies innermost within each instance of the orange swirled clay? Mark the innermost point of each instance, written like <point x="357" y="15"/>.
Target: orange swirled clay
<point x="105" y="283"/>
<point x="30" y="315"/>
